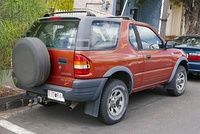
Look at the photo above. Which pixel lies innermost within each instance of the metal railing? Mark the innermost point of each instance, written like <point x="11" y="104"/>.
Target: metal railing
<point x="80" y="11"/>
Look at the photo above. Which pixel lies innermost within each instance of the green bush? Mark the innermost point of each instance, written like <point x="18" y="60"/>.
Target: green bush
<point x="61" y="4"/>
<point x="15" y="18"/>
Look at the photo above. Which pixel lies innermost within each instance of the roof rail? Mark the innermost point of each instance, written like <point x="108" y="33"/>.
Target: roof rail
<point x="122" y="17"/>
<point x="88" y="13"/>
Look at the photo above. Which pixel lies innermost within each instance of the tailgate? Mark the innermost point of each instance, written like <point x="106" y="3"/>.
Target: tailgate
<point x="59" y="36"/>
<point x="62" y="67"/>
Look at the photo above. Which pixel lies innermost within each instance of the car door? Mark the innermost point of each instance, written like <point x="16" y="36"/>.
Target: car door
<point x="157" y="60"/>
<point x="138" y="62"/>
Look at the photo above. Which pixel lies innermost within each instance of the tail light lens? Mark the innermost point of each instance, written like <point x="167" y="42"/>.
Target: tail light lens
<point x="81" y="65"/>
<point x="55" y="18"/>
<point x="198" y="57"/>
<point x="194" y="56"/>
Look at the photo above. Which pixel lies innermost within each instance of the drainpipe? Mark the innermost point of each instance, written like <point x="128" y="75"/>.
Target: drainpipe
<point x="125" y="4"/>
<point x="163" y="18"/>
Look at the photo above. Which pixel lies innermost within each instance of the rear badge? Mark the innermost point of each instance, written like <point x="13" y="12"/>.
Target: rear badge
<point x="60" y="67"/>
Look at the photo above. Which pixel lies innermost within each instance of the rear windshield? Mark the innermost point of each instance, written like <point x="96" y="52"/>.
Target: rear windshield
<point x="104" y="35"/>
<point x="55" y="34"/>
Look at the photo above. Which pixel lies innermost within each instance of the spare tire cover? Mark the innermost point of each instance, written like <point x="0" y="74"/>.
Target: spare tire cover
<point x="31" y="61"/>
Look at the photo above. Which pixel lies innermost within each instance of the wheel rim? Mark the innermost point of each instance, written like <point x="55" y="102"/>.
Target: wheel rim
<point x="116" y="102"/>
<point x="180" y="82"/>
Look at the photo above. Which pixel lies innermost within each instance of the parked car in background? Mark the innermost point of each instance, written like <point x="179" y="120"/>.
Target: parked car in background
<point x="191" y="45"/>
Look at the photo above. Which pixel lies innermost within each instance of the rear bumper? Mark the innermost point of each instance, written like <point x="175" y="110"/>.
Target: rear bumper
<point x="81" y="91"/>
<point x="194" y="67"/>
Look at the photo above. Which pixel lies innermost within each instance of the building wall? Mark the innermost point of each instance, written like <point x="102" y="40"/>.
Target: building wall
<point x="130" y="5"/>
<point x="175" y="21"/>
<point x="150" y="12"/>
<point x="94" y="5"/>
<point x="119" y="7"/>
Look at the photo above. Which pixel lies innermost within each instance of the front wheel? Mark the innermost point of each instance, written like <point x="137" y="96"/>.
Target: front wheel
<point x="114" y="102"/>
<point x="180" y="81"/>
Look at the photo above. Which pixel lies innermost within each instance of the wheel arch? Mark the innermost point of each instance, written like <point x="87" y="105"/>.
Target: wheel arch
<point x="122" y="73"/>
<point x="118" y="72"/>
<point x="181" y="61"/>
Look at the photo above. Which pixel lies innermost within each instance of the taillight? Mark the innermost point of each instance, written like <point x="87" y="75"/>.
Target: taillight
<point x="193" y="56"/>
<point x="198" y="57"/>
<point x="81" y="65"/>
<point x="55" y="18"/>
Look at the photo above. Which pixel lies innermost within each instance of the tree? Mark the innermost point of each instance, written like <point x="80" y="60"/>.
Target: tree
<point x="15" y="17"/>
<point x="192" y="15"/>
<point x="61" y="4"/>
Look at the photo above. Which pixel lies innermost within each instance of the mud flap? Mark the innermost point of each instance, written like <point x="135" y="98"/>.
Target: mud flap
<point x="92" y="107"/>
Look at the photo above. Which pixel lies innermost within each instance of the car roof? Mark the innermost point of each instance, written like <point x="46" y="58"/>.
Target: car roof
<point x="78" y="14"/>
<point x="92" y="16"/>
<point x="190" y="36"/>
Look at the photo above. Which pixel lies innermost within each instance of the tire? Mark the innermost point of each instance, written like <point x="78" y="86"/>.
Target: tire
<point x="48" y="104"/>
<point x="114" y="102"/>
<point x="180" y="82"/>
<point x="31" y="62"/>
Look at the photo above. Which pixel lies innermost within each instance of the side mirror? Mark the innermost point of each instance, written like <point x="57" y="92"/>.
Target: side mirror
<point x="170" y="44"/>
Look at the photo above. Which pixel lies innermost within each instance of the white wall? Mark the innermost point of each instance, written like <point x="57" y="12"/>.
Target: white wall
<point x="82" y="4"/>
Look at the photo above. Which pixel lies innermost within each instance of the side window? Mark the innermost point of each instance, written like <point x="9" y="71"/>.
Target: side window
<point x="149" y="39"/>
<point x="104" y="35"/>
<point x="132" y="37"/>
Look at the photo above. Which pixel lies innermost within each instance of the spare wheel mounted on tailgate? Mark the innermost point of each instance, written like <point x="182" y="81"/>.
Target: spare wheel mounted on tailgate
<point x="31" y="61"/>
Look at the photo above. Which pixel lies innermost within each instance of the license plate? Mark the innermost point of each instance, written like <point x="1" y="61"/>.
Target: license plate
<point x="56" y="96"/>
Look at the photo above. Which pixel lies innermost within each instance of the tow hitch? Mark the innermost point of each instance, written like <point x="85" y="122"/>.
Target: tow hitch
<point x="35" y="101"/>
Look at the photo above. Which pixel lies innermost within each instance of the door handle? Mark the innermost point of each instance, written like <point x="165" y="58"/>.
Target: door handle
<point x="62" y="60"/>
<point x="148" y="57"/>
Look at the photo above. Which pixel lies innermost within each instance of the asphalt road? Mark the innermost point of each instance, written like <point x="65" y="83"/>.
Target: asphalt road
<point x="149" y="112"/>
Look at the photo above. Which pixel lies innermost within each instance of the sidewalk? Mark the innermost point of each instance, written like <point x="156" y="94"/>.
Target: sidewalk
<point x="13" y="101"/>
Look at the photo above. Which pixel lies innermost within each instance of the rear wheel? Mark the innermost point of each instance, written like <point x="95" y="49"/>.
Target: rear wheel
<point x="179" y="80"/>
<point x="114" y="102"/>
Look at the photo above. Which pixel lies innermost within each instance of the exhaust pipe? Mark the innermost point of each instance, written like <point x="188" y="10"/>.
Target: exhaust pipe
<point x="73" y="105"/>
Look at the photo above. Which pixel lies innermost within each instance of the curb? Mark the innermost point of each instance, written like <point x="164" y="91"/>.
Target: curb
<point x="14" y="101"/>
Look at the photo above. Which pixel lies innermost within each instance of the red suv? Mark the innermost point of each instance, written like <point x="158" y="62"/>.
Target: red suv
<point x="96" y="60"/>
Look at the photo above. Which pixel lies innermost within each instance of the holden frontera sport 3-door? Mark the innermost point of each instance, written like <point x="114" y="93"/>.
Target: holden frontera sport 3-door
<point x="100" y="61"/>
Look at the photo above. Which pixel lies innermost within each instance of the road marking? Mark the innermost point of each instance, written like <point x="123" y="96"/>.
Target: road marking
<point x="14" y="128"/>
